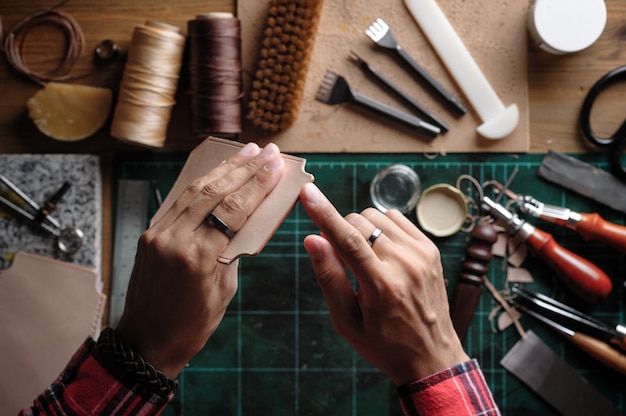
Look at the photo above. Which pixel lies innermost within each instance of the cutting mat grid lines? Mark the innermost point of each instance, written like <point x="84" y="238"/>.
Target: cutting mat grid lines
<point x="276" y="352"/>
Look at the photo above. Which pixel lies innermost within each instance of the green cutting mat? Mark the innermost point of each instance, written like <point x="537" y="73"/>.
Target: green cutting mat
<point x="276" y="352"/>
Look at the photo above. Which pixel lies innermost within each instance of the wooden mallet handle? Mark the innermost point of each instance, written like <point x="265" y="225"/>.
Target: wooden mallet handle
<point x="469" y="285"/>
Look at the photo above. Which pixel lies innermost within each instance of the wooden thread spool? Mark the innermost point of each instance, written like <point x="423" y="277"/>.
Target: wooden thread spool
<point x="473" y="269"/>
<point x="149" y="84"/>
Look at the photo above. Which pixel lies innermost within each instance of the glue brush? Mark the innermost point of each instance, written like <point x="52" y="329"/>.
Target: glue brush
<point x="570" y="317"/>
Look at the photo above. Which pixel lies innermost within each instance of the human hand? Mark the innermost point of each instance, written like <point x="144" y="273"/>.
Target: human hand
<point x="399" y="318"/>
<point x="178" y="291"/>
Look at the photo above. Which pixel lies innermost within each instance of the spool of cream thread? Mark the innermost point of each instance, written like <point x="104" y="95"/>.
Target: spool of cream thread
<point x="149" y="83"/>
<point x="566" y="26"/>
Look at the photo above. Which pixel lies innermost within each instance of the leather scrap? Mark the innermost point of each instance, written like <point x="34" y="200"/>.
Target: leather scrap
<point x="47" y="310"/>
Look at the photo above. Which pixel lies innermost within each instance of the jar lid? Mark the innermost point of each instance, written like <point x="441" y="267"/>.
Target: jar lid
<point x="442" y="210"/>
<point x="396" y="186"/>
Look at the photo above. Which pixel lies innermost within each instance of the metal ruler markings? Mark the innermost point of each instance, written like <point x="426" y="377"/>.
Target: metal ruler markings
<point x="130" y="222"/>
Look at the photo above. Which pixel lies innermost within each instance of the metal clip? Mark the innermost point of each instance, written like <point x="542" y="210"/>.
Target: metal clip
<point x="510" y="220"/>
<point x="551" y="213"/>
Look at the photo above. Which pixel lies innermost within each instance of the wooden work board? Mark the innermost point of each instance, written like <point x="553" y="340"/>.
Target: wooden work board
<point x="493" y="31"/>
<point x="557" y="83"/>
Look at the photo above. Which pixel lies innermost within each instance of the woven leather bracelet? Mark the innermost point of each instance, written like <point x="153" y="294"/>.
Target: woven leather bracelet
<point x="133" y="365"/>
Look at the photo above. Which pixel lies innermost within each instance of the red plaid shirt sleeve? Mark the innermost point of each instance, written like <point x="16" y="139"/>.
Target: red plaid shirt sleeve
<point x="92" y="385"/>
<point x="457" y="391"/>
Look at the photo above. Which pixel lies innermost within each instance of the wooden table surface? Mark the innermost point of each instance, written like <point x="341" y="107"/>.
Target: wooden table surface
<point x="557" y="84"/>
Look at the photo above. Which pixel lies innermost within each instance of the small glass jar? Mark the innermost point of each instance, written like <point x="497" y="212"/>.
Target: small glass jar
<point x="396" y="186"/>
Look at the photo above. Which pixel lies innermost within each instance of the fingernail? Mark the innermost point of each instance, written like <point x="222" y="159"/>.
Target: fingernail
<point x="269" y="149"/>
<point x="313" y="248"/>
<point x="276" y="161"/>
<point x="249" y="149"/>
<point x="312" y="194"/>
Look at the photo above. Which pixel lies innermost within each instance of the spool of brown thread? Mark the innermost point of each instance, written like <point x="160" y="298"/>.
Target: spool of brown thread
<point x="149" y="84"/>
<point x="215" y="74"/>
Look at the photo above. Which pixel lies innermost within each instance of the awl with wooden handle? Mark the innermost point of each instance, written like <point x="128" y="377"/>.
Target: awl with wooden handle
<point x="597" y="349"/>
<point x="583" y="277"/>
<point x="552" y="309"/>
<point x="469" y="286"/>
<point x="592" y="227"/>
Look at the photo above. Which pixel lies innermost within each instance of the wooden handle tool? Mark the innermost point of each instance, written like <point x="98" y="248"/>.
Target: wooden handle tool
<point x="601" y="351"/>
<point x="591" y="226"/>
<point x="473" y="269"/>
<point x="583" y="277"/>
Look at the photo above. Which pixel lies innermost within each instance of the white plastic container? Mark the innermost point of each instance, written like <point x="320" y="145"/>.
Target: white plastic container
<point x="566" y="26"/>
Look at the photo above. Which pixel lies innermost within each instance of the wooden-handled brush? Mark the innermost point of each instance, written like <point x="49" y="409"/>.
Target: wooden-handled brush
<point x="286" y="49"/>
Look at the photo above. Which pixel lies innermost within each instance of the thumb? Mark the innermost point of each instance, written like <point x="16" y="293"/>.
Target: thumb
<point x="333" y="280"/>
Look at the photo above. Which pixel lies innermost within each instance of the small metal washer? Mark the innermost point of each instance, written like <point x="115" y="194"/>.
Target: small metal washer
<point x="106" y="51"/>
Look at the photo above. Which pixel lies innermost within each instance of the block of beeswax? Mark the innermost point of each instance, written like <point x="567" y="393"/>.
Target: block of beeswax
<point x="70" y="112"/>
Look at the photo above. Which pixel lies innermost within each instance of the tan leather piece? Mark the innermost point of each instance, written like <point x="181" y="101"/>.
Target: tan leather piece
<point x="47" y="309"/>
<point x="266" y="219"/>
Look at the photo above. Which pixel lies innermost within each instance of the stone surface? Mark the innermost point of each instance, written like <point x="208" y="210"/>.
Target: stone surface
<point x="40" y="176"/>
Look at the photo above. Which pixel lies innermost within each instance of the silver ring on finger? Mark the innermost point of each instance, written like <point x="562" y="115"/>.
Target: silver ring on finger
<point x="375" y="234"/>
<point x="221" y="225"/>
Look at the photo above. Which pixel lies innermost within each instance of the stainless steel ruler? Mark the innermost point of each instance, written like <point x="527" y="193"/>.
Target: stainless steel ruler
<point x="130" y="222"/>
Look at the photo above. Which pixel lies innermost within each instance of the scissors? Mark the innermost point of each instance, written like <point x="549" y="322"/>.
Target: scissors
<point x="616" y="142"/>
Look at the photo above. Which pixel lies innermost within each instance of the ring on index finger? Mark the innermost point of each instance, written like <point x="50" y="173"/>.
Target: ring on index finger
<point x="221" y="225"/>
<point x="375" y="234"/>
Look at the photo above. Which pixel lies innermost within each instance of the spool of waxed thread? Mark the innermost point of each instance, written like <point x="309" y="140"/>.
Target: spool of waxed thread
<point x="215" y="74"/>
<point x="149" y="84"/>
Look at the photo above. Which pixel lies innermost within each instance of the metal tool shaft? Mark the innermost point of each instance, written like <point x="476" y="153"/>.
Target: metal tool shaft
<point x="427" y="114"/>
<point x="572" y="318"/>
<point x="597" y="349"/>
<point x="592" y="227"/>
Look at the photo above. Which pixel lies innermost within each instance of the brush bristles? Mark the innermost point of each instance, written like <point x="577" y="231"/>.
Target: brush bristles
<point x="286" y="48"/>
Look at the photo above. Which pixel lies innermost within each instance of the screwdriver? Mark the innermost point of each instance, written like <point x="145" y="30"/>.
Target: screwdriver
<point x="592" y="227"/>
<point x="580" y="275"/>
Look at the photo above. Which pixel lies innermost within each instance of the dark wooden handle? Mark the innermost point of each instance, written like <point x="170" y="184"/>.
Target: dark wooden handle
<point x="594" y="228"/>
<point x="469" y="285"/>
<point x="582" y="276"/>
